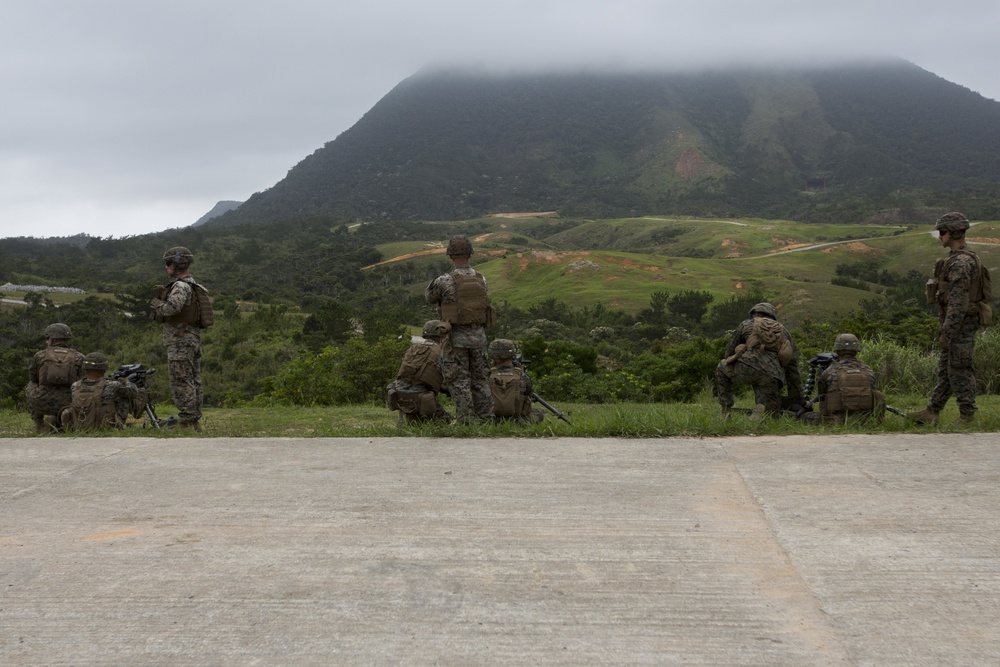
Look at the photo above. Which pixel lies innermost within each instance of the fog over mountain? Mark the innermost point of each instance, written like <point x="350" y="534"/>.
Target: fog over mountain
<point x="124" y="117"/>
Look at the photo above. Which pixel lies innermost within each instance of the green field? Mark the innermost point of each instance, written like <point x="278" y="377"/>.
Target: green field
<point x="621" y="263"/>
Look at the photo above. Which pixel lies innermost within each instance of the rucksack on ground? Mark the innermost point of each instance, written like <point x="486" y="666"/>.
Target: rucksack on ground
<point x="506" y="389"/>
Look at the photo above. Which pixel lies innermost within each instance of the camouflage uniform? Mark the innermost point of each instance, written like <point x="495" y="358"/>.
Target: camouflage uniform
<point x="45" y="399"/>
<point x="955" y="374"/>
<point x="117" y="399"/>
<point x="463" y="353"/>
<point x="411" y="382"/>
<point x="183" y="343"/>
<point x="760" y="369"/>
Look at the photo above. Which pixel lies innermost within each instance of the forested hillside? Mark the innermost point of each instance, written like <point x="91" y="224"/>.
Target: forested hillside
<point x="833" y="144"/>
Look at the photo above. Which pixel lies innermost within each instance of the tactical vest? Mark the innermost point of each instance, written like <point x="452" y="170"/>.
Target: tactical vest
<point x="508" y="401"/>
<point x="980" y="287"/>
<point x="197" y="311"/>
<point x="87" y="410"/>
<point x="420" y="366"/>
<point x="57" y="367"/>
<point x="852" y="393"/>
<point x="471" y="305"/>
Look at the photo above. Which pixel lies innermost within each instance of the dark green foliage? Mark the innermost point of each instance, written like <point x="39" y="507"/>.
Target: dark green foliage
<point x="446" y="145"/>
<point x="725" y="316"/>
<point x="690" y="304"/>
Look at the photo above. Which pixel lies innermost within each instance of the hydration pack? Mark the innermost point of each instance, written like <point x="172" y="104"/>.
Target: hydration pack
<point x="58" y="367"/>
<point x="505" y="385"/>
<point x="87" y="410"/>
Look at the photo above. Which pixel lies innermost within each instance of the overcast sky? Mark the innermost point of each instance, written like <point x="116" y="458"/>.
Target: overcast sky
<point x="122" y="117"/>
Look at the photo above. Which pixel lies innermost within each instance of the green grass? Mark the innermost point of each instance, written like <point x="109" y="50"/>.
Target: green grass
<point x="700" y="419"/>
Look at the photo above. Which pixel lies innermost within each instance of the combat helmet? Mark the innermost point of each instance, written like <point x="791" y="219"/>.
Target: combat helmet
<point x="435" y="328"/>
<point x="178" y="255"/>
<point x="502" y="348"/>
<point x="460" y="246"/>
<point x="765" y="309"/>
<point x="846" y="342"/>
<point x="58" y="330"/>
<point x="952" y="222"/>
<point x="95" y="361"/>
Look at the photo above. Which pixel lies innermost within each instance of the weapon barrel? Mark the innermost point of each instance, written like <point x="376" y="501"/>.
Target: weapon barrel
<point x="551" y="409"/>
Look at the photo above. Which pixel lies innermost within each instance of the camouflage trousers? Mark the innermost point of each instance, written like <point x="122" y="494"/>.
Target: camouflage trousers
<point x="955" y="374"/>
<point x="184" y="364"/>
<point x="766" y="389"/>
<point x="43" y="401"/>
<point x="466" y="371"/>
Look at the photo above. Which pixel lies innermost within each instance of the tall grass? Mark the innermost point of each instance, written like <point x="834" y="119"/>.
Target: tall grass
<point x="909" y="370"/>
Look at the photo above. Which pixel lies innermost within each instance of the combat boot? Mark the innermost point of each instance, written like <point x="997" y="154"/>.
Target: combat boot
<point x="966" y="418"/>
<point x="758" y="412"/>
<point x="40" y="426"/>
<point x="727" y="411"/>
<point x="925" y="416"/>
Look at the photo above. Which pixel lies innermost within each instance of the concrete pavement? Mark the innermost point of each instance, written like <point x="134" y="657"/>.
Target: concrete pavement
<point x="835" y="550"/>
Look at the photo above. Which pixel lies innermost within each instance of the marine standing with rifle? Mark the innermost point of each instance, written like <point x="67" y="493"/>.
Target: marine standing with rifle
<point x="960" y="289"/>
<point x="461" y="300"/>
<point x="180" y="308"/>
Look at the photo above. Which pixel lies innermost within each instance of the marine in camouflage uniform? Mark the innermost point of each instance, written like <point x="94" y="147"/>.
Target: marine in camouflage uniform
<point x="955" y="279"/>
<point x="847" y="347"/>
<point x="461" y="299"/>
<point x="502" y="353"/>
<point x="419" y="375"/>
<point x="172" y="307"/>
<point x="759" y="368"/>
<point x="44" y="398"/>
<point x="117" y="397"/>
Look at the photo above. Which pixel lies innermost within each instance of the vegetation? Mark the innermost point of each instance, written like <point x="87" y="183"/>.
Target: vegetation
<point x="835" y="144"/>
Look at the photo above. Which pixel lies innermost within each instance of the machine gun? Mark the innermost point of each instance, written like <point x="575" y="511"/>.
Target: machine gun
<point x="519" y="360"/>
<point x="138" y="375"/>
<point x="820" y="363"/>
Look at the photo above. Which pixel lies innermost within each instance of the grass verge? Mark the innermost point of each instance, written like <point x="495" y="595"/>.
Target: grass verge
<point x="630" y="420"/>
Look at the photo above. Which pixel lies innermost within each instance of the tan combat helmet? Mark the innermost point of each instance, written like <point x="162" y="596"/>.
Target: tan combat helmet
<point x="95" y="361"/>
<point x="846" y="342"/>
<point x="178" y="256"/>
<point x="460" y="246"/>
<point x="58" y="331"/>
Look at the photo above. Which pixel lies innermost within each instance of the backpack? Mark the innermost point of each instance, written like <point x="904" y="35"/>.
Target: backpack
<point x="87" y="411"/>
<point x="505" y="385"/>
<point x="57" y="367"/>
<point x="768" y="335"/>
<point x="420" y="366"/>
<point x="980" y="289"/>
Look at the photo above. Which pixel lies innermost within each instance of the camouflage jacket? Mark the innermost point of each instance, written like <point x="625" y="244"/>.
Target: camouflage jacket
<point x="767" y="361"/>
<point x="442" y="290"/>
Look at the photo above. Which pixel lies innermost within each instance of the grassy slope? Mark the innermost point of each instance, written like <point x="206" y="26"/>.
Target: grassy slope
<point x="621" y="263"/>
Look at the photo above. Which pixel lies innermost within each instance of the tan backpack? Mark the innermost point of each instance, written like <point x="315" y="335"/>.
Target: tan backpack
<point x="87" y="410"/>
<point x="57" y="367"/>
<point x="767" y="335"/>
<point x="508" y="401"/>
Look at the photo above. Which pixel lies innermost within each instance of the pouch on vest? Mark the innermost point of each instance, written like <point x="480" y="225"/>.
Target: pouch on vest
<point x="58" y="367"/>
<point x="426" y="405"/>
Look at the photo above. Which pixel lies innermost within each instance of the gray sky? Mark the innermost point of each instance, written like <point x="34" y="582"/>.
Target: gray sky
<point x="123" y="117"/>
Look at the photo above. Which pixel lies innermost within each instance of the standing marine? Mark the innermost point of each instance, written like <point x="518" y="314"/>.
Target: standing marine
<point x="183" y="306"/>
<point x="51" y="374"/>
<point x="960" y="287"/>
<point x="462" y="301"/>
<point x="763" y="355"/>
